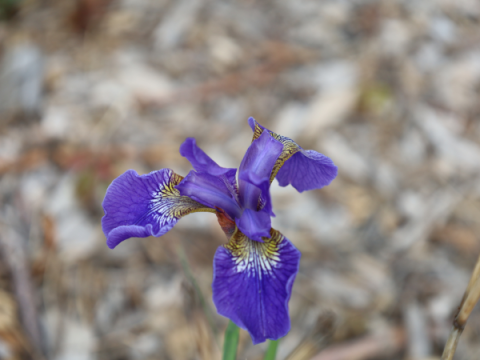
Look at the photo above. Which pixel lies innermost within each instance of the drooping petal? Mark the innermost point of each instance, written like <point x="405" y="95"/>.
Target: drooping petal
<point x="203" y="163"/>
<point x="259" y="161"/>
<point x="307" y="170"/>
<point x="304" y="169"/>
<point x="252" y="284"/>
<point x="146" y="205"/>
<point x="211" y="191"/>
<point x="254" y="224"/>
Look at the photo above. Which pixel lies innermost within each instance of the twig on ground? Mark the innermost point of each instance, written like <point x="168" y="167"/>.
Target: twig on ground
<point x="387" y="342"/>
<point x="196" y="287"/>
<point x="317" y="339"/>
<point x="13" y="255"/>
<point x="279" y="57"/>
<point x="469" y="300"/>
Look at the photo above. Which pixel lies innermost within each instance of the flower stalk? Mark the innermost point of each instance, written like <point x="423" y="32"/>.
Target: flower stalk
<point x="231" y="341"/>
<point x="272" y="350"/>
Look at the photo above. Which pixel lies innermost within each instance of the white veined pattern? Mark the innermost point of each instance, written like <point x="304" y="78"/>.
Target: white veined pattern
<point x="167" y="205"/>
<point x="256" y="258"/>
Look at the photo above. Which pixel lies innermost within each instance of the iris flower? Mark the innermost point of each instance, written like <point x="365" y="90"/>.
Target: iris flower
<point x="253" y="273"/>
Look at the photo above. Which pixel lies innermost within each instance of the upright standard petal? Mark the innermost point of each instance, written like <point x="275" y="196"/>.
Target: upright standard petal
<point x="304" y="169"/>
<point x="141" y="206"/>
<point x="203" y="163"/>
<point x="252" y="284"/>
<point x="259" y="160"/>
<point x="211" y="191"/>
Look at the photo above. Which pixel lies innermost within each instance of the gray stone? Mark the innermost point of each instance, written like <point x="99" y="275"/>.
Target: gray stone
<point x="21" y="80"/>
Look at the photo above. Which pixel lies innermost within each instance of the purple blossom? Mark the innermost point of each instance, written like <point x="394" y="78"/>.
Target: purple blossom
<point x="254" y="272"/>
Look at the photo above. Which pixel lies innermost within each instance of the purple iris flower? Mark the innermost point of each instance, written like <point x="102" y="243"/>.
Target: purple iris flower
<point x="253" y="273"/>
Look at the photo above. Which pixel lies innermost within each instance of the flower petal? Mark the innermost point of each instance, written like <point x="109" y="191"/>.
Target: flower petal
<point x="141" y="206"/>
<point x="203" y="163"/>
<point x="307" y="170"/>
<point x="289" y="146"/>
<point x="259" y="161"/>
<point x="263" y="186"/>
<point x="210" y="191"/>
<point x="255" y="224"/>
<point x="252" y="284"/>
<point x="304" y="169"/>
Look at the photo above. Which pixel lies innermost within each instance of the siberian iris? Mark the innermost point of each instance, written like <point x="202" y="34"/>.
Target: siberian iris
<point x="253" y="273"/>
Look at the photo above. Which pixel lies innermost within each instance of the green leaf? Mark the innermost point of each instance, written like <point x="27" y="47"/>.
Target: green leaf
<point x="272" y="350"/>
<point x="231" y="342"/>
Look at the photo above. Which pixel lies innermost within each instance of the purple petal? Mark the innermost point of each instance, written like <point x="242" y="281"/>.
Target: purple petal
<point x="141" y="206"/>
<point x="211" y="191"/>
<point x="252" y="284"/>
<point x="254" y="224"/>
<point x="304" y="169"/>
<point x="203" y="163"/>
<point x="307" y="170"/>
<point x="261" y="186"/>
<point x="289" y="147"/>
<point x="256" y="127"/>
<point x="258" y="160"/>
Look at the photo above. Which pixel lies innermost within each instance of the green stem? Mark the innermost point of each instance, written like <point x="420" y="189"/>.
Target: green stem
<point x="231" y="342"/>
<point x="272" y="350"/>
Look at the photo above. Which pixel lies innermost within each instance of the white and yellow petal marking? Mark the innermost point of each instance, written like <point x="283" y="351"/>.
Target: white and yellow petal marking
<point x="254" y="257"/>
<point x="252" y="283"/>
<point x="146" y="205"/>
<point x="167" y="203"/>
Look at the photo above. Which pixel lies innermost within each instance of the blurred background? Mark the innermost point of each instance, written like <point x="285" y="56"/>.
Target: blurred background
<point x="388" y="89"/>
